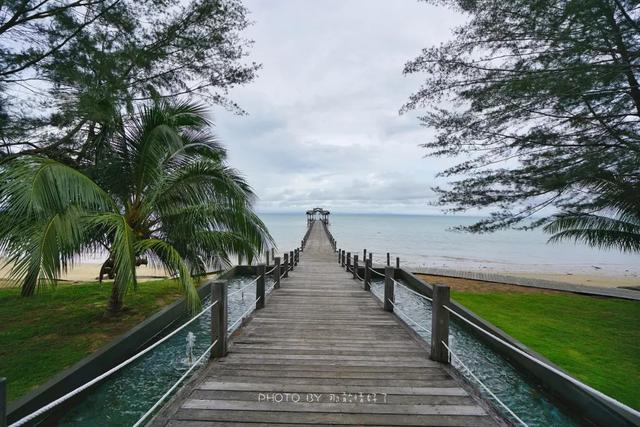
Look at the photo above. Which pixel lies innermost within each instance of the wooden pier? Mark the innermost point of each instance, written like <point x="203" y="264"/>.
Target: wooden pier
<point x="323" y="352"/>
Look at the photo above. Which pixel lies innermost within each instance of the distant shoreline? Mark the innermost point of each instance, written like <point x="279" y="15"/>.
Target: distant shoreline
<point x="89" y="271"/>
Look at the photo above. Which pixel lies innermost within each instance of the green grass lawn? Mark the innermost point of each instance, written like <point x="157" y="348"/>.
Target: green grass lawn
<point x="597" y="340"/>
<point x="44" y="334"/>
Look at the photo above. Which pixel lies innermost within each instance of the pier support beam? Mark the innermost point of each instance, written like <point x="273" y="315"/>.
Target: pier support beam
<point x="389" y="296"/>
<point x="277" y="272"/>
<point x="260" y="295"/>
<point x="440" y="324"/>
<point x="219" y="318"/>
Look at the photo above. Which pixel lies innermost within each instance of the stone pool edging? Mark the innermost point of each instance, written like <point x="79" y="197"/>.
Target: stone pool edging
<point x="106" y="357"/>
<point x="582" y="402"/>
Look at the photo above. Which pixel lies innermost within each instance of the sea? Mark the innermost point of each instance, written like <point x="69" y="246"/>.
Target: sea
<point x="431" y="241"/>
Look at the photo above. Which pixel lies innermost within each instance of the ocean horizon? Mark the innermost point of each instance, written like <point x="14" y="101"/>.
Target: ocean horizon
<point x="429" y="241"/>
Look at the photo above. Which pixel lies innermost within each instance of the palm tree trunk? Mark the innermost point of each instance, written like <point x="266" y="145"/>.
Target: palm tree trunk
<point x="115" y="301"/>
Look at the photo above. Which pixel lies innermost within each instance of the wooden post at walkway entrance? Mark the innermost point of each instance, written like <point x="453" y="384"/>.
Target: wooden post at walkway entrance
<point x="440" y="324"/>
<point x="367" y="274"/>
<point x="286" y="265"/>
<point x="219" y="318"/>
<point x="388" y="258"/>
<point x="277" y="272"/>
<point x="3" y="402"/>
<point x="355" y="266"/>
<point x="389" y="297"/>
<point x="260" y="295"/>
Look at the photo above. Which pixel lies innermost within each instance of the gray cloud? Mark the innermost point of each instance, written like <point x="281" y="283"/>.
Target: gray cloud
<point x="323" y="124"/>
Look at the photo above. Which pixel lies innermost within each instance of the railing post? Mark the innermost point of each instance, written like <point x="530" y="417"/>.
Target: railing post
<point x="267" y="257"/>
<point x="348" y="260"/>
<point x="371" y="259"/>
<point x="276" y="272"/>
<point x="343" y="258"/>
<point x="440" y="324"/>
<point x="339" y="255"/>
<point x="388" y="288"/>
<point x="292" y="260"/>
<point x="260" y="287"/>
<point x="388" y="258"/>
<point x="219" y="318"/>
<point x="355" y="266"/>
<point x="367" y="274"/>
<point x="273" y="253"/>
<point x="286" y="265"/>
<point x="297" y="256"/>
<point x="302" y="245"/>
<point x="397" y="262"/>
<point x="364" y="255"/>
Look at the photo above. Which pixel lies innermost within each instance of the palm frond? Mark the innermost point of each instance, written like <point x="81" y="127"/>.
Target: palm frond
<point x="123" y="249"/>
<point x="596" y="230"/>
<point x="174" y="263"/>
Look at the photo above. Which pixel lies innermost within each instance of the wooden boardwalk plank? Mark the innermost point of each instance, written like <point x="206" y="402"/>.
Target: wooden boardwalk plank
<point x="324" y="341"/>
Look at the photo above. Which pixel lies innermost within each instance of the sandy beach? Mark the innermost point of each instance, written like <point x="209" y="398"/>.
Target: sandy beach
<point x="88" y="271"/>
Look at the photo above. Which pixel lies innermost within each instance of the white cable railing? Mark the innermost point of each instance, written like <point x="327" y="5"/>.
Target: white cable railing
<point x="231" y="329"/>
<point x="244" y="287"/>
<point x="174" y="386"/>
<point x="270" y="271"/>
<point x="484" y="386"/>
<point x="104" y="375"/>
<point x="271" y="288"/>
<point x="412" y="291"/>
<point x="373" y="271"/>
<point x="556" y="371"/>
<point x="396" y="309"/>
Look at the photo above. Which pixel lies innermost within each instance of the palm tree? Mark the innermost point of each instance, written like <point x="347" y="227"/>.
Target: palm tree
<point x="614" y="221"/>
<point x="161" y="192"/>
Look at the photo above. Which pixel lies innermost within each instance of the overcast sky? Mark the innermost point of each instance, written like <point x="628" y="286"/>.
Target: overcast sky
<point x="323" y="126"/>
